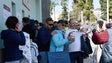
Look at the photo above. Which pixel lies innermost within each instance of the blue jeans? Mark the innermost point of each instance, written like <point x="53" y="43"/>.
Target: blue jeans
<point x="76" y="57"/>
<point x="44" y="57"/>
<point x="16" y="61"/>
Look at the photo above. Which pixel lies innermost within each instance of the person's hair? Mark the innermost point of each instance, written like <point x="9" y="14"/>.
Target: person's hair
<point x="26" y="19"/>
<point x="40" y="24"/>
<point x="11" y="22"/>
<point x="36" y="22"/>
<point x="48" y="19"/>
<point x="66" y="22"/>
<point x="100" y="22"/>
<point x="108" y="25"/>
<point x="71" y="19"/>
<point x="55" y="21"/>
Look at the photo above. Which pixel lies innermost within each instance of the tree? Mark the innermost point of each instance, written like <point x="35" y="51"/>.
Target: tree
<point x="52" y="5"/>
<point x="64" y="14"/>
<point x="84" y="6"/>
<point x="78" y="7"/>
<point x="110" y="9"/>
<point x="103" y="8"/>
<point x="87" y="9"/>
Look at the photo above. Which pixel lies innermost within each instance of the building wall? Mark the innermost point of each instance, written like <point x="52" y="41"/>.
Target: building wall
<point x="45" y="9"/>
<point x="17" y="8"/>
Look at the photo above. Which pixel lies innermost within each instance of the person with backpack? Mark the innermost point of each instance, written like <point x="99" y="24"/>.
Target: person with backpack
<point x="100" y="36"/>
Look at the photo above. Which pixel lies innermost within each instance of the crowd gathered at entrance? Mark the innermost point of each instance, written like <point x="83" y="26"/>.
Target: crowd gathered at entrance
<point x="36" y="41"/>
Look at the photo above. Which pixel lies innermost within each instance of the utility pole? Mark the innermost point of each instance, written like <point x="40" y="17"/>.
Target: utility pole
<point x="82" y="20"/>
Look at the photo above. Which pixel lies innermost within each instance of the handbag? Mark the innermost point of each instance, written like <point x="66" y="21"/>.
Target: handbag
<point x="100" y="38"/>
<point x="58" y="57"/>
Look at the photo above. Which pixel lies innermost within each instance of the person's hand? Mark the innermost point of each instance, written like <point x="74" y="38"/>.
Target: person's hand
<point x="94" y="30"/>
<point x="71" y="39"/>
<point x="17" y="28"/>
<point x="81" y="29"/>
<point x="70" y="33"/>
<point x="53" y="32"/>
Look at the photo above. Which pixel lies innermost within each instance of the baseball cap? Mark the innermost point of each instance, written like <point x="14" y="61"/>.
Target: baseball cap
<point x="61" y="21"/>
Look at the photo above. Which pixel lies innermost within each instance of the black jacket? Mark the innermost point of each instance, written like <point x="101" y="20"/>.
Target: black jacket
<point x="12" y="39"/>
<point x="85" y="46"/>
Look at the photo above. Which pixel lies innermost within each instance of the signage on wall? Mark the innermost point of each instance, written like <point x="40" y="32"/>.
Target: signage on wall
<point x="26" y="3"/>
<point x="6" y="11"/>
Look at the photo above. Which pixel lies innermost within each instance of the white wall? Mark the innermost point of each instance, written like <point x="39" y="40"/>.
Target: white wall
<point x="34" y="12"/>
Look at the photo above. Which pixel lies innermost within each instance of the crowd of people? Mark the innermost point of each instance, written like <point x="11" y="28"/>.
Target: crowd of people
<point x="32" y="42"/>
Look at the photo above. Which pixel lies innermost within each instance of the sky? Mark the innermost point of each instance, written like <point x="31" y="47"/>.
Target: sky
<point x="58" y="8"/>
<point x="96" y="4"/>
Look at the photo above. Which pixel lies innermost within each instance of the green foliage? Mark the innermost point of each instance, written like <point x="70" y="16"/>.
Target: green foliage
<point x="103" y="8"/>
<point x="52" y="5"/>
<point x="78" y="6"/>
<point x="73" y="14"/>
<point x="82" y="5"/>
<point x="87" y="13"/>
<point x="110" y="9"/>
<point x="92" y="19"/>
<point x="64" y="14"/>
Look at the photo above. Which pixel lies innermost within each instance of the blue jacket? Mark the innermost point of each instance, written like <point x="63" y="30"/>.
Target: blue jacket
<point x="12" y="39"/>
<point x="57" y="42"/>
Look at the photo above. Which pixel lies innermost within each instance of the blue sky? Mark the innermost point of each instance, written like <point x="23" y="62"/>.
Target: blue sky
<point x="59" y="8"/>
<point x="96" y="4"/>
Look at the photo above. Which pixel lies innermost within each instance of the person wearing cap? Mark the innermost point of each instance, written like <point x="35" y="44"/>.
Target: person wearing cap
<point x="58" y="40"/>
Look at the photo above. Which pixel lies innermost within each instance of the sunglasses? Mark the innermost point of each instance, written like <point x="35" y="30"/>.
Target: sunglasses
<point x="50" y="24"/>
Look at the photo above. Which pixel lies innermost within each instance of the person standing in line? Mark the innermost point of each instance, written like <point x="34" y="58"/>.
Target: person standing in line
<point x="26" y="49"/>
<point x="27" y="28"/>
<point x="34" y="52"/>
<point x="86" y="27"/>
<point x="58" y="41"/>
<point x="98" y="51"/>
<point x="37" y="25"/>
<point x="12" y="37"/>
<point x="29" y="35"/>
<point x="106" y="56"/>
<point x="43" y="39"/>
<point x="76" y="54"/>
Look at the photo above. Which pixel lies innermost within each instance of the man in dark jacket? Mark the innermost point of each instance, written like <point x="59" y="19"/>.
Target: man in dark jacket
<point x="12" y="37"/>
<point x="43" y="39"/>
<point x="27" y="27"/>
